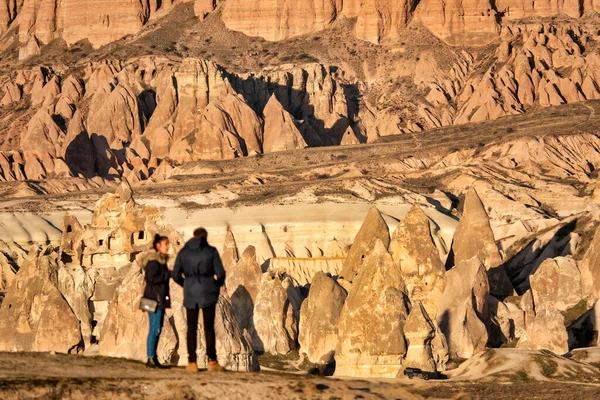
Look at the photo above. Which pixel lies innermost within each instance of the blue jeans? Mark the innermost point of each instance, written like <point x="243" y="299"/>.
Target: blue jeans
<point x="156" y="324"/>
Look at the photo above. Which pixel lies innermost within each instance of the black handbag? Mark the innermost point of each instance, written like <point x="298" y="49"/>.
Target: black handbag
<point x="148" y="305"/>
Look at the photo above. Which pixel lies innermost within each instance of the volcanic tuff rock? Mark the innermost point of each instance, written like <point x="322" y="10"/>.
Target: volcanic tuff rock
<point x="193" y="109"/>
<point x="103" y="288"/>
<point x="280" y="130"/>
<point x="552" y="243"/>
<point x="303" y="270"/>
<point x="419" y="332"/>
<point x="319" y="317"/>
<point x="546" y="332"/>
<point x="463" y="309"/>
<point x="124" y="329"/>
<point x="414" y="251"/>
<point x="458" y="23"/>
<point x="243" y="285"/>
<point x="474" y="238"/>
<point x="371" y="339"/>
<point x="42" y="21"/>
<point x="279" y="20"/>
<point x="558" y="282"/>
<point x="34" y="314"/>
<point x="234" y="346"/>
<point x="77" y="287"/>
<point x="275" y="323"/>
<point x="7" y="272"/>
<point x="186" y="111"/>
<point x="555" y="288"/>
<point x="229" y="255"/>
<point x="470" y="23"/>
<point x="374" y="228"/>
<point x="590" y="268"/>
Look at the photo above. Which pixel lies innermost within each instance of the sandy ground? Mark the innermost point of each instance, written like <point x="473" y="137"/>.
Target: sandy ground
<point x="45" y="376"/>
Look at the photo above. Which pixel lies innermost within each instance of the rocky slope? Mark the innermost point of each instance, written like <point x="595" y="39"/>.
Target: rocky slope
<point x="176" y="88"/>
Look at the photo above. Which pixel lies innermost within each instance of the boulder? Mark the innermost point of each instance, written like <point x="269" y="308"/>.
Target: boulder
<point x="35" y="316"/>
<point x="319" y="316"/>
<point x="371" y="339"/>
<point x="474" y="238"/>
<point x="414" y="251"/>
<point x="463" y="309"/>
<point x="546" y="331"/>
<point x="275" y="323"/>
<point x="506" y="320"/>
<point x="373" y="228"/>
<point x="557" y="284"/>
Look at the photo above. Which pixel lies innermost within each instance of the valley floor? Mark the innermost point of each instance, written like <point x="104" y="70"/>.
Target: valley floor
<point x="46" y="376"/>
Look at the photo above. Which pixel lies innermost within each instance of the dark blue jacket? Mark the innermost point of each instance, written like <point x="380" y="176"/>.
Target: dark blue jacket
<point x="157" y="276"/>
<point x="199" y="270"/>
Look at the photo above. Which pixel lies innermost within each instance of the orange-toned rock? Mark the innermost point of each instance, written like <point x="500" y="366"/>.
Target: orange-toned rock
<point x="280" y="132"/>
<point x="12" y="94"/>
<point x="279" y="20"/>
<point x="414" y="251"/>
<point x="204" y="7"/>
<point x="459" y="22"/>
<point x="474" y="238"/>
<point x="373" y="229"/>
<point x="42" y="134"/>
<point x="35" y="315"/>
<point x="115" y="116"/>
<point x="216" y="138"/>
<point x="371" y="340"/>
<point x="382" y="19"/>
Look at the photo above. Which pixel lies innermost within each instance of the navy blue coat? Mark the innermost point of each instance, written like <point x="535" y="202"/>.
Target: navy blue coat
<point x="199" y="270"/>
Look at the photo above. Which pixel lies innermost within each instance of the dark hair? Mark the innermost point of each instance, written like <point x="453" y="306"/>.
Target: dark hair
<point x="201" y="233"/>
<point x="157" y="239"/>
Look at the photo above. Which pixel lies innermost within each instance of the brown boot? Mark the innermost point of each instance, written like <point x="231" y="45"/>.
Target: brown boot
<point x="192" y="367"/>
<point x="214" y="366"/>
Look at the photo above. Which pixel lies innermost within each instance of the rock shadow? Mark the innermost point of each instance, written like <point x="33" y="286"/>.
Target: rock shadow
<point x="242" y="306"/>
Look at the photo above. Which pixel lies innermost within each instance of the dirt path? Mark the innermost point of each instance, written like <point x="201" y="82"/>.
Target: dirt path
<point x="45" y="376"/>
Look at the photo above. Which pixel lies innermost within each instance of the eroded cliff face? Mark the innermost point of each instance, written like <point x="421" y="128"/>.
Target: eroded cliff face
<point x="99" y="22"/>
<point x="474" y="22"/>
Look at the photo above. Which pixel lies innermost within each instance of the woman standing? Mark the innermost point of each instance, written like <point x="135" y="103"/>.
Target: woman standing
<point x="157" y="288"/>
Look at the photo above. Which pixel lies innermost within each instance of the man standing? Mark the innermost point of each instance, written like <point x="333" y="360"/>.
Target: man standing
<point x="199" y="270"/>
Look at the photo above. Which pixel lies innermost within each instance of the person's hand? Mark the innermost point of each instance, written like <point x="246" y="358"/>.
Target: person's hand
<point x="215" y="277"/>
